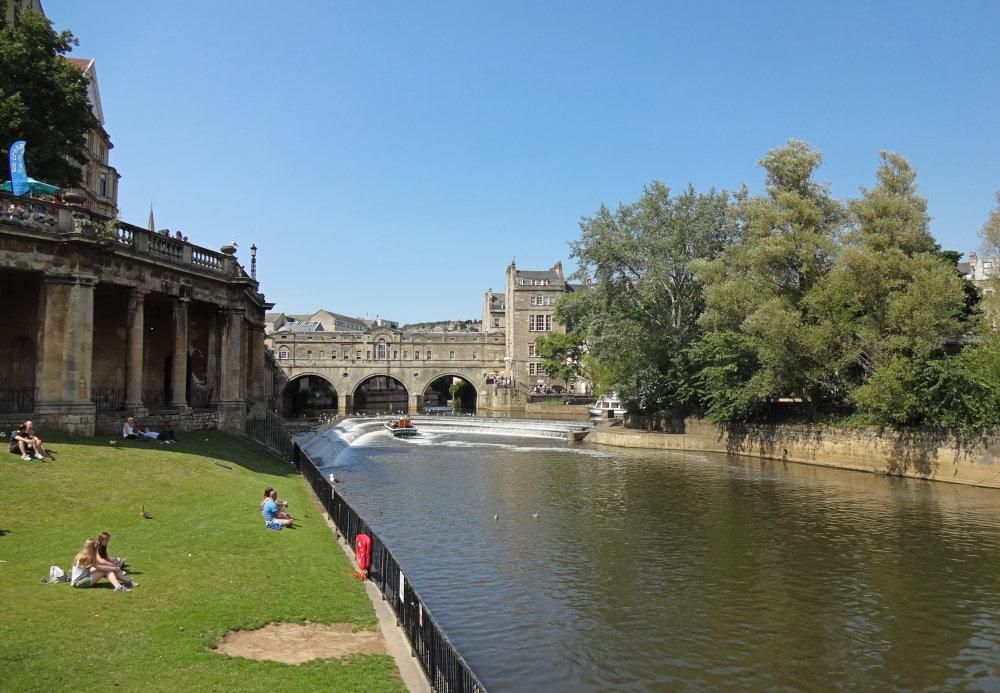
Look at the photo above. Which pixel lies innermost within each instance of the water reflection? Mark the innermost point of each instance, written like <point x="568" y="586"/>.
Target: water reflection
<point x="678" y="570"/>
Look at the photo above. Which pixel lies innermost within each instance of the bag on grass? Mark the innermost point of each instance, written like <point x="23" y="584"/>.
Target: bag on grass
<point x="56" y="574"/>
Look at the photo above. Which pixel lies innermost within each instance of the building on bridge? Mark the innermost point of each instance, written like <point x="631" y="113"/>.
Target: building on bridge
<point x="106" y="319"/>
<point x="321" y="321"/>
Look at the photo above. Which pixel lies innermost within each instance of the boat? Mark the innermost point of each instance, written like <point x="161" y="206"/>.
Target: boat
<point x="401" y="427"/>
<point x="609" y="405"/>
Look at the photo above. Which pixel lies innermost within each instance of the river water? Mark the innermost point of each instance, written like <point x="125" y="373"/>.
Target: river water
<point x="684" y="571"/>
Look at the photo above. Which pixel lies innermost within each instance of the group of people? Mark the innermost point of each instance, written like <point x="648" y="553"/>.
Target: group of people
<point x="499" y="380"/>
<point x="132" y="432"/>
<point x="24" y="441"/>
<point x="92" y="564"/>
<point x="274" y="511"/>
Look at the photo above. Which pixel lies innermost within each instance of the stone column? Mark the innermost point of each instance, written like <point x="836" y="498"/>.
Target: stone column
<point x="65" y="358"/>
<point x="134" y="345"/>
<point x="416" y="404"/>
<point x="257" y="385"/>
<point x="345" y="403"/>
<point x="231" y="379"/>
<point x="178" y="373"/>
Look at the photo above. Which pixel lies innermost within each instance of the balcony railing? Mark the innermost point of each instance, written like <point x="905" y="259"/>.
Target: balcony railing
<point x="64" y="219"/>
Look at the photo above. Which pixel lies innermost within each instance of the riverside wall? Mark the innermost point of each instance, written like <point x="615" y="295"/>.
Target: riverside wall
<point x="916" y="454"/>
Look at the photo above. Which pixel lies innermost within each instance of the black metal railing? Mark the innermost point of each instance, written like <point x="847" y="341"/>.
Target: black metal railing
<point x="154" y="399"/>
<point x="200" y="399"/>
<point x="268" y="429"/>
<point x="18" y="399"/>
<point x="445" y="668"/>
<point x="108" y="398"/>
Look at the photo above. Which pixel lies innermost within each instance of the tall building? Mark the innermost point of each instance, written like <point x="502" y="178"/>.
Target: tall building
<point x="523" y="313"/>
<point x="15" y="7"/>
<point x="99" y="179"/>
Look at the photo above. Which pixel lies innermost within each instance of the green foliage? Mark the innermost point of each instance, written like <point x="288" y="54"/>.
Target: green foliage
<point x="204" y="564"/>
<point x="641" y="311"/>
<point x="562" y="354"/>
<point x="43" y="100"/>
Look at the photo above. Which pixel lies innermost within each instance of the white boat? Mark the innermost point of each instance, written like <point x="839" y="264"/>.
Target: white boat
<point x="609" y="406"/>
<point x="401" y="427"/>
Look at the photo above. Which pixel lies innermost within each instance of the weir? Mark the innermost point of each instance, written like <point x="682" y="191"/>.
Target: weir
<point x="325" y="446"/>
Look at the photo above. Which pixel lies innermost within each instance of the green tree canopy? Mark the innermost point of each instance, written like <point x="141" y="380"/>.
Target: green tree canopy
<point x="43" y="100"/>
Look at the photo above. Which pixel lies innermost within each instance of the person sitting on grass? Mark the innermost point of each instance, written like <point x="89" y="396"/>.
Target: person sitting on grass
<point x="89" y="568"/>
<point x="102" y="551"/>
<point x="128" y="429"/>
<point x="36" y="442"/>
<point x="22" y="441"/>
<point x="267" y="496"/>
<point x="165" y="437"/>
<point x="270" y="510"/>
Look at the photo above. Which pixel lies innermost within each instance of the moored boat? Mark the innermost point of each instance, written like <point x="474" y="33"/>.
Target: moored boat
<point x="609" y="405"/>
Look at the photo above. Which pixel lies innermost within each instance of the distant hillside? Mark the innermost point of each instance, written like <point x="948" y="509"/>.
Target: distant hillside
<point x="445" y="326"/>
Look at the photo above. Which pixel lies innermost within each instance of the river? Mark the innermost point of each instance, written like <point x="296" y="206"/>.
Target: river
<point x="612" y="569"/>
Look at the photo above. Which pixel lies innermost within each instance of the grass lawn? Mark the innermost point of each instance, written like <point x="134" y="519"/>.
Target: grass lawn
<point x="204" y="564"/>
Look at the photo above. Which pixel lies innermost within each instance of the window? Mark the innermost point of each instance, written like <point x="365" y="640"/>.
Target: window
<point x="283" y="353"/>
<point x="496" y="322"/>
<point x="333" y="354"/>
<point x="103" y="187"/>
<point x="451" y="354"/>
<point x="539" y="323"/>
<point x="368" y="355"/>
<point x="531" y="350"/>
<point x="359" y="355"/>
<point x="380" y="352"/>
<point x="496" y="355"/>
<point x="535" y="369"/>
<point x="475" y="355"/>
<point x="309" y="354"/>
<point x="416" y="355"/>
<point x="541" y="300"/>
<point x="347" y="353"/>
<point x="428" y="354"/>
<point x="395" y="354"/>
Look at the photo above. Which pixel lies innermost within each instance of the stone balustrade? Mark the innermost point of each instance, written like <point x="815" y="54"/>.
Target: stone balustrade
<point x="59" y="218"/>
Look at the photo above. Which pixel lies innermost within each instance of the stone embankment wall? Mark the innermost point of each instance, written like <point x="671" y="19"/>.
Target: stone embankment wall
<point x="192" y="420"/>
<point x="920" y="455"/>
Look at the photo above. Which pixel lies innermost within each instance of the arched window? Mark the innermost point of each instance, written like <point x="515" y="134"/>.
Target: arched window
<point x="381" y="353"/>
<point x="283" y="353"/>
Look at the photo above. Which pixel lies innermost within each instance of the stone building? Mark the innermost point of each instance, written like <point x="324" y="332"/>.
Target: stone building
<point x="15" y="7"/>
<point x="323" y="321"/>
<point x="106" y="319"/>
<point x="99" y="180"/>
<point x="980" y="271"/>
<point x="522" y="314"/>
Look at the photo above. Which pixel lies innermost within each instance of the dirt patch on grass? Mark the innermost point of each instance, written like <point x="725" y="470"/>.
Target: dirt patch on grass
<point x="294" y="643"/>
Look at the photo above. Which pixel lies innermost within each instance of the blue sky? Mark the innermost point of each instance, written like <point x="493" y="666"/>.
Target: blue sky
<point x="391" y="158"/>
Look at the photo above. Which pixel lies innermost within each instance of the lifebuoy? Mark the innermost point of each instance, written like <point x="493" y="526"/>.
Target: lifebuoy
<point x="363" y="554"/>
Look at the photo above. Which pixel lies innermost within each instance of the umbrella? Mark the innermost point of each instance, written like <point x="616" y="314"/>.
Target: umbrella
<point x="35" y="187"/>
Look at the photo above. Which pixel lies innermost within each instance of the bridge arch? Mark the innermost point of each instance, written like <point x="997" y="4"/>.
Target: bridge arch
<point x="308" y="395"/>
<point x="381" y="393"/>
<point x="437" y="390"/>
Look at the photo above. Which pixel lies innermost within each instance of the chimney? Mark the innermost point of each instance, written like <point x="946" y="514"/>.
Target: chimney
<point x="557" y="268"/>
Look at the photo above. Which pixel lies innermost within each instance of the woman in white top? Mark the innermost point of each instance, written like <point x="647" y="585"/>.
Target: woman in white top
<point x="89" y="568"/>
<point x="128" y="430"/>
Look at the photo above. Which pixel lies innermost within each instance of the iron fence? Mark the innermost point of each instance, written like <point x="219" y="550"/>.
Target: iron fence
<point x="268" y="429"/>
<point x="444" y="666"/>
<point x="107" y="398"/>
<point x="200" y="399"/>
<point x="14" y="399"/>
<point x="154" y="399"/>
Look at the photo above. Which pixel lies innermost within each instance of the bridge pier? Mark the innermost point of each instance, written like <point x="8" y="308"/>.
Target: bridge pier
<point x="345" y="404"/>
<point x="416" y="403"/>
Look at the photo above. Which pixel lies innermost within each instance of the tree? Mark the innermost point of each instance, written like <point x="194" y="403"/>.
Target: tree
<point x="757" y="288"/>
<point x="562" y="354"/>
<point x="43" y="100"/>
<point x="641" y="312"/>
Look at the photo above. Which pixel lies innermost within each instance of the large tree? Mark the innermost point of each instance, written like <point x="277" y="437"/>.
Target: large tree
<point x="641" y="312"/>
<point x="765" y="342"/>
<point x="43" y="100"/>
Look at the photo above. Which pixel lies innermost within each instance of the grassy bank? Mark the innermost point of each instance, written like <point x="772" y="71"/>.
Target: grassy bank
<point x="204" y="564"/>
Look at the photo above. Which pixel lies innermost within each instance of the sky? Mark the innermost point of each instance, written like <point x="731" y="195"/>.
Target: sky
<point x="391" y="158"/>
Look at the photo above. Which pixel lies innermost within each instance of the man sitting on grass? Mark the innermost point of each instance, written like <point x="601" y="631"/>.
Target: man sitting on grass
<point x="25" y="441"/>
<point x="272" y="513"/>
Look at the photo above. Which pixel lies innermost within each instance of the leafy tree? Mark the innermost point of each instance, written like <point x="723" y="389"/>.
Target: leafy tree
<point x="757" y="289"/>
<point x="562" y="354"/>
<point x="43" y="100"/>
<point x="641" y="312"/>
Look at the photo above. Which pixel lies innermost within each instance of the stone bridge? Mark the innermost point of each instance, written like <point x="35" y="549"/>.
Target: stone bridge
<point x="412" y="360"/>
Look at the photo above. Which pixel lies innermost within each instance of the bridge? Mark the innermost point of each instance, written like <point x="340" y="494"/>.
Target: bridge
<point x="386" y="369"/>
